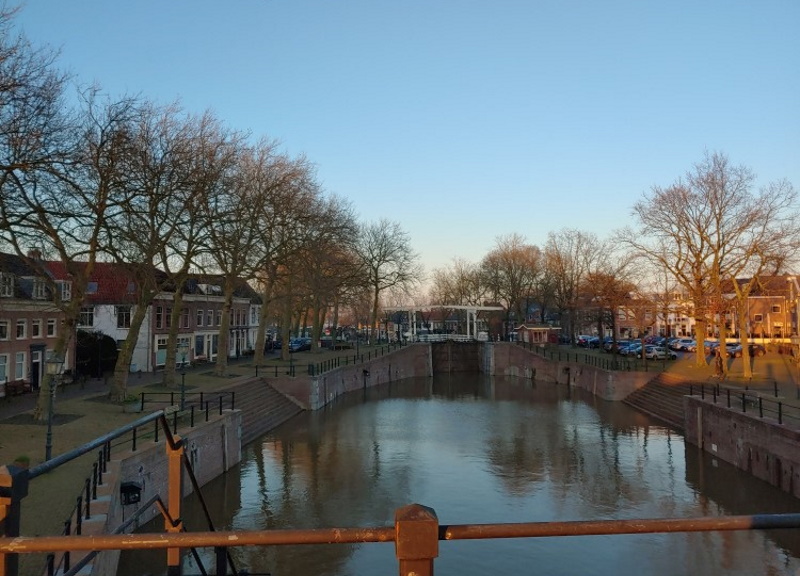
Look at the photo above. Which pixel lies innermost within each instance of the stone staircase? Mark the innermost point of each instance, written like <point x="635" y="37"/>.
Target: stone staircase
<point x="263" y="408"/>
<point x="662" y="398"/>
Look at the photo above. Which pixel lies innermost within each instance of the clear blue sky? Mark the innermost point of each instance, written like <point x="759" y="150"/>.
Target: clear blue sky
<point x="465" y="120"/>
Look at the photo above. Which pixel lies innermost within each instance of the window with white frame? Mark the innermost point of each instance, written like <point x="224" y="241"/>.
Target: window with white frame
<point x="86" y="316"/>
<point x="19" y="366"/>
<point x="200" y="315"/>
<point x="210" y="318"/>
<point x="182" y="346"/>
<point x="123" y="316"/>
<point x="169" y="317"/>
<point x="758" y="318"/>
<point x="776" y="309"/>
<point x="6" y="285"/>
<point x="36" y="328"/>
<point x="3" y="367"/>
<point x="22" y="329"/>
<point x="185" y="317"/>
<point x="39" y="292"/>
<point x="51" y="328"/>
<point x="65" y="290"/>
<point x="219" y="317"/>
<point x="159" y="317"/>
<point x="3" y="329"/>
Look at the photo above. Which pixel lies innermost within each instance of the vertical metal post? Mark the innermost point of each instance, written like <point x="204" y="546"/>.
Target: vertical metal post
<point x="416" y="539"/>
<point x="88" y="489"/>
<point x="48" y="445"/>
<point x="221" y="556"/>
<point x="13" y="488"/>
<point x="174" y="497"/>
<point x="183" y="387"/>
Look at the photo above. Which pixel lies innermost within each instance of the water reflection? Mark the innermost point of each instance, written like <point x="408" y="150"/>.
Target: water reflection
<point x="483" y="450"/>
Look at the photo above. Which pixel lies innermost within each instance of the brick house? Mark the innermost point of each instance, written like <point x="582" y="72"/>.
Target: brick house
<point x="29" y="323"/>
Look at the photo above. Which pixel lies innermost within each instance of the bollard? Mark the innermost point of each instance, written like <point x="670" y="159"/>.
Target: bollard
<point x="416" y="539"/>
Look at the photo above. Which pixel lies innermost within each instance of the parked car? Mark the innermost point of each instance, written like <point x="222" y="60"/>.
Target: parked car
<point x="756" y="350"/>
<point x="659" y="353"/>
<point x="683" y="344"/>
<point x="634" y="349"/>
<point x="299" y="344"/>
<point x="620" y="345"/>
<point x="583" y="340"/>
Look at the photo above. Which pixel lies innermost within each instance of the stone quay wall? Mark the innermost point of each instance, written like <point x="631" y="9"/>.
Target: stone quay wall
<point x="212" y="448"/>
<point x="413" y="361"/>
<point x="509" y="359"/>
<point x="760" y="446"/>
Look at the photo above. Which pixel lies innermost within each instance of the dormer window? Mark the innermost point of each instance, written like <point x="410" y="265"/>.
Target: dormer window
<point x="91" y="288"/>
<point x="65" y="290"/>
<point x="39" y="292"/>
<point x="6" y="285"/>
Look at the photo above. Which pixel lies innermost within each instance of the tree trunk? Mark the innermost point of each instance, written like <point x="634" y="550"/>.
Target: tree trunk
<point x="119" y="385"/>
<point x="374" y="312"/>
<point x="41" y="411"/>
<point x="700" y="337"/>
<point x="261" y="337"/>
<point x="723" y="338"/>
<point x="171" y="361"/>
<point x="221" y="367"/>
<point x="745" y="341"/>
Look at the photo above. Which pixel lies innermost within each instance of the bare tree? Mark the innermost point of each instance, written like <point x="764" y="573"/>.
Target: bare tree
<point x="67" y="206"/>
<point x="151" y="212"/>
<point x="210" y="155"/>
<point x="233" y="239"/>
<point x="328" y="257"/>
<point x="384" y="249"/>
<point x="702" y="228"/>
<point x="37" y="139"/>
<point x="569" y="255"/>
<point x="287" y="211"/>
<point x="510" y="271"/>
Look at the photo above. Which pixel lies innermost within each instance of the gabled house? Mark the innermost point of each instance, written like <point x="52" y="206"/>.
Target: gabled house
<point x="111" y="300"/>
<point x="30" y="323"/>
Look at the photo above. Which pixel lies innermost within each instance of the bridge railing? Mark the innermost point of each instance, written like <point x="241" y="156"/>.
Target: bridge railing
<point x="416" y="534"/>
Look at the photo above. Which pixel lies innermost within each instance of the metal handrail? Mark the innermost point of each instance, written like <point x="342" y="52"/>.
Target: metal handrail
<point x="750" y="402"/>
<point x="45" y="467"/>
<point x="138" y="541"/>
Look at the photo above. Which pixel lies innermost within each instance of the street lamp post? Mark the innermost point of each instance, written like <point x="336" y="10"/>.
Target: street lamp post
<point x="54" y="364"/>
<point x="184" y="350"/>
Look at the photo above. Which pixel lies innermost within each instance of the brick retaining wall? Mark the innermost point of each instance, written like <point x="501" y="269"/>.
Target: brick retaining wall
<point x="508" y="359"/>
<point x="412" y="361"/>
<point x="762" y="447"/>
<point x="211" y="447"/>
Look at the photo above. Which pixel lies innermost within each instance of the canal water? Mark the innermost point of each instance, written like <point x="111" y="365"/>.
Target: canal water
<point x="487" y="450"/>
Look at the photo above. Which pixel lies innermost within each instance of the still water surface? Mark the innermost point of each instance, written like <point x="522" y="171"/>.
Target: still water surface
<point x="488" y="450"/>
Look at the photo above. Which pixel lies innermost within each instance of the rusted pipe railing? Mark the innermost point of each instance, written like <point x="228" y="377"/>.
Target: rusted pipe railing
<point x="416" y="535"/>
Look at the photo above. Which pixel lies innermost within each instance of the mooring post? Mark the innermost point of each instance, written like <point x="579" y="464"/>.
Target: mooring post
<point x="416" y="539"/>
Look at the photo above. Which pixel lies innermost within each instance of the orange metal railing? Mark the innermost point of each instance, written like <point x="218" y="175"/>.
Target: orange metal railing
<point x="416" y="534"/>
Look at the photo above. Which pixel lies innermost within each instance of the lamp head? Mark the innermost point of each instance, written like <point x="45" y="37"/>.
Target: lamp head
<point x="54" y="363"/>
